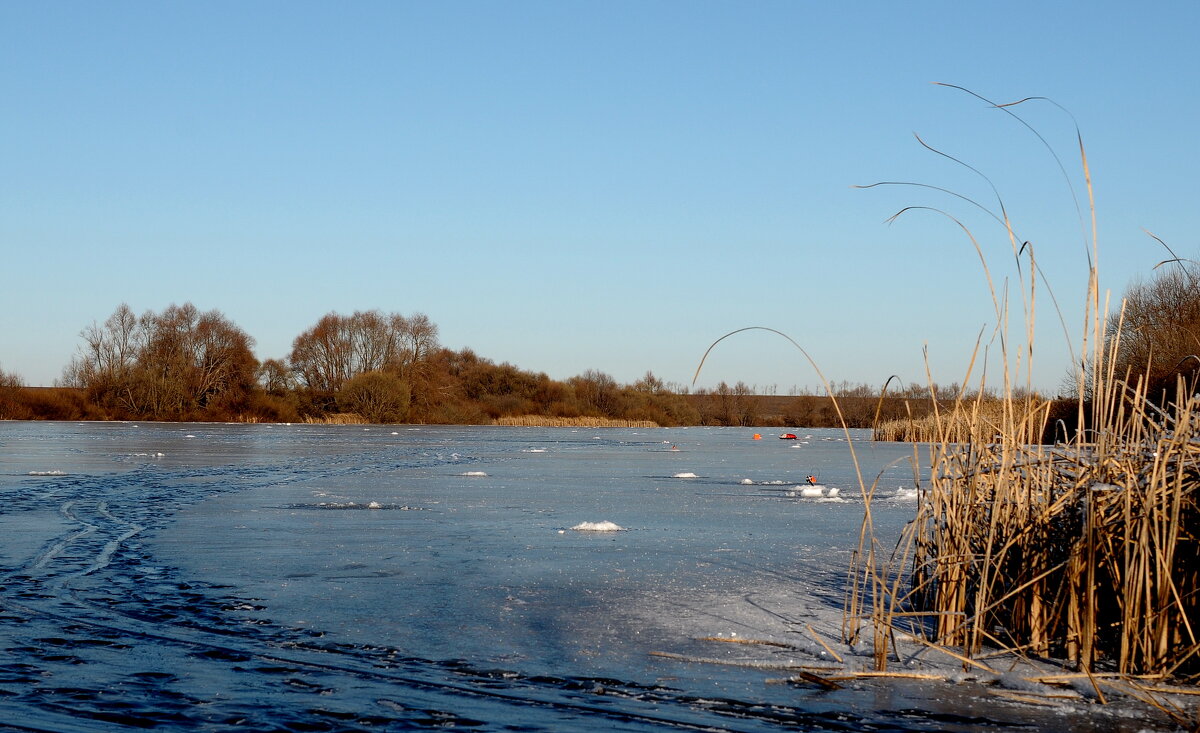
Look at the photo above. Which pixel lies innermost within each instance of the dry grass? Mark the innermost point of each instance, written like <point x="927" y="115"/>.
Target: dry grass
<point x="963" y="421"/>
<point x="540" y="421"/>
<point x="338" y="418"/>
<point x="1086" y="551"/>
<point x="546" y="421"/>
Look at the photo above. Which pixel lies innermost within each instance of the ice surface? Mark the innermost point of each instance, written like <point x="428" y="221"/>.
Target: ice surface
<point x="272" y="575"/>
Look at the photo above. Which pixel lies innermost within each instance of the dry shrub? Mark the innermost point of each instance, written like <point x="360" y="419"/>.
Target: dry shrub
<point x="378" y="396"/>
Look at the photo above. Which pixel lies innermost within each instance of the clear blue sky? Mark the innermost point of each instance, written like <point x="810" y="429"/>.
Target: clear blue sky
<point x="585" y="185"/>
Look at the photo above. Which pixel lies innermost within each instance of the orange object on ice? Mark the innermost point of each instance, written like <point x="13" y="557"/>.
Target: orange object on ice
<point x="758" y="436"/>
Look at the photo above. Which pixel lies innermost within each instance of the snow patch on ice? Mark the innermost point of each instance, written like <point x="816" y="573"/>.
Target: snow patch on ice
<point x="819" y="492"/>
<point x="685" y="474"/>
<point x="605" y="526"/>
<point x="474" y="473"/>
<point x="47" y="473"/>
<point x="351" y="505"/>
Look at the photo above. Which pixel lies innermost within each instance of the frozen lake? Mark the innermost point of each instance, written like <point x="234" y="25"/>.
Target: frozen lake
<point x="300" y="577"/>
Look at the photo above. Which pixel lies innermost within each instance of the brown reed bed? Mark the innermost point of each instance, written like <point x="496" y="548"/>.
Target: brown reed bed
<point x="547" y="421"/>
<point x="1086" y="551"/>
<point x="338" y="418"/>
<point x="960" y="421"/>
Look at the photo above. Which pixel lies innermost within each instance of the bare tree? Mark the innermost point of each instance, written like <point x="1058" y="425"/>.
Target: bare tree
<point x="339" y="348"/>
<point x="650" y="384"/>
<point x="10" y="390"/>
<point x="109" y="352"/>
<point x="275" y="377"/>
<point x="1160" y="332"/>
<point x="164" y="365"/>
<point x="597" y="390"/>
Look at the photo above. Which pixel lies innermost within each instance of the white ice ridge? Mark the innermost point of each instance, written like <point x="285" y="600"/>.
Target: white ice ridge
<point x="605" y="526"/>
<point x="474" y="473"/>
<point x="816" y="491"/>
<point x="686" y="474"/>
<point x="903" y="494"/>
<point x="374" y="505"/>
<point x="47" y="473"/>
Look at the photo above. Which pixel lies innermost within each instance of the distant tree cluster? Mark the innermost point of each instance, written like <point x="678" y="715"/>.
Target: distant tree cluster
<point x="1159" y="331"/>
<point x="183" y="364"/>
<point x="175" y="365"/>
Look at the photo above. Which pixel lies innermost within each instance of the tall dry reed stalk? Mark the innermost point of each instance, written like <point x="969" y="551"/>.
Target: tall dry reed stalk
<point x="1087" y="550"/>
<point x="870" y="594"/>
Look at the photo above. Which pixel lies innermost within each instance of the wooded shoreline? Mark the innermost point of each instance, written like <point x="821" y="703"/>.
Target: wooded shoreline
<point x="893" y="418"/>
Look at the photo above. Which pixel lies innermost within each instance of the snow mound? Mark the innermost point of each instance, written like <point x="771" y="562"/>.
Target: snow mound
<point x="474" y="473"/>
<point x="604" y="526"/>
<point x="685" y="474"/>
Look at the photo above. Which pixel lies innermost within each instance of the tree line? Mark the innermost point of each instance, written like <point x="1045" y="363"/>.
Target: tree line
<point x="184" y="364"/>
